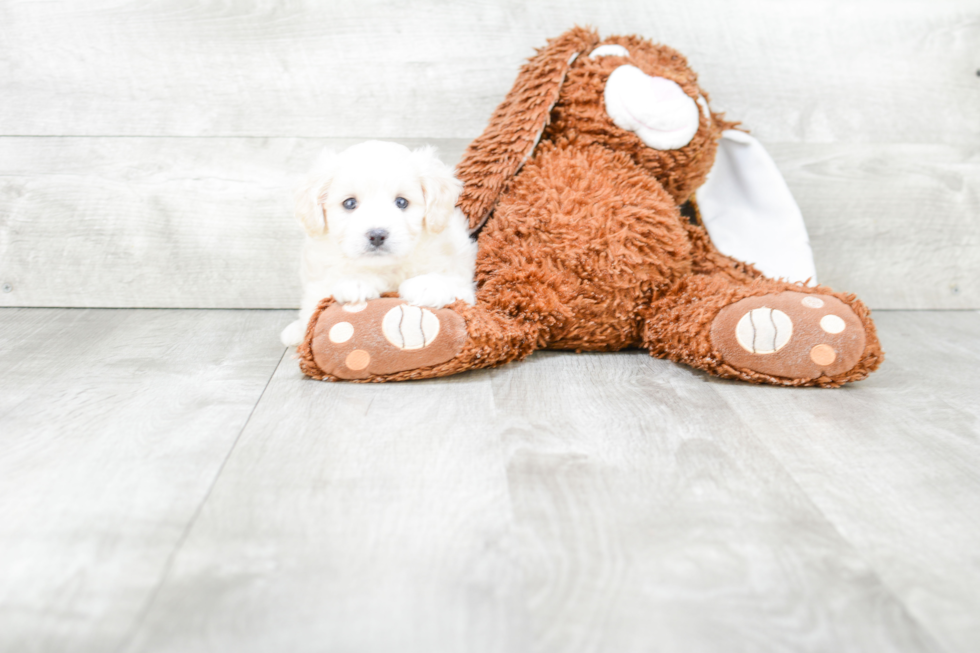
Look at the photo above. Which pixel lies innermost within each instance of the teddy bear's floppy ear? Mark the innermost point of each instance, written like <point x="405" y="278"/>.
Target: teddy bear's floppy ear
<point x="515" y="127"/>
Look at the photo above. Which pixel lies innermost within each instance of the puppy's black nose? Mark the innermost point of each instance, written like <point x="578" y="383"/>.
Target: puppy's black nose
<point x="377" y="237"/>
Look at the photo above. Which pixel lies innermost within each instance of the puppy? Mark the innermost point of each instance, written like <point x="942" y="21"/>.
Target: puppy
<point x="379" y="218"/>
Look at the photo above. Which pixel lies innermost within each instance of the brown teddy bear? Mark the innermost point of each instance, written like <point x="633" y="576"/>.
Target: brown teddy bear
<point x="575" y="188"/>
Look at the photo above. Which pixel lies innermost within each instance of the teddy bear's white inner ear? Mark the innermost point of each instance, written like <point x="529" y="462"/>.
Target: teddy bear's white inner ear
<point x="750" y="213"/>
<point x="610" y="51"/>
<point x="655" y="108"/>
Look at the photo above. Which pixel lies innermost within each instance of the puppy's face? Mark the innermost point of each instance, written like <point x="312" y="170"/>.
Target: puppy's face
<point x="376" y="199"/>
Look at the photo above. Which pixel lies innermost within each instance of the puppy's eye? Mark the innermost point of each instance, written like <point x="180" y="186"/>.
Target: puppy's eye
<point x="350" y="203"/>
<point x="401" y="202"/>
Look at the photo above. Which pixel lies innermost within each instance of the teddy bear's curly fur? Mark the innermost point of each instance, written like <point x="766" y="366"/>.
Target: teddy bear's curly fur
<point x="583" y="246"/>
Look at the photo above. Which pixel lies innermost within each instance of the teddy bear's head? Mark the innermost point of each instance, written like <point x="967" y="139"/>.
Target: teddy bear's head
<point x="625" y="93"/>
<point x="634" y="96"/>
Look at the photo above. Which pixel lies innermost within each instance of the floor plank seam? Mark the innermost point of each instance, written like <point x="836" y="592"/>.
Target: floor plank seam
<point x="127" y="640"/>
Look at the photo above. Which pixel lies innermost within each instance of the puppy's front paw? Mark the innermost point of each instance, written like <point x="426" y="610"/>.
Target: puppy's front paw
<point x="293" y="334"/>
<point x="436" y="290"/>
<point x="354" y="291"/>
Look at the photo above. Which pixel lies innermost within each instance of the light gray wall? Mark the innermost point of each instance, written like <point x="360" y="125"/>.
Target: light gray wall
<point x="147" y="148"/>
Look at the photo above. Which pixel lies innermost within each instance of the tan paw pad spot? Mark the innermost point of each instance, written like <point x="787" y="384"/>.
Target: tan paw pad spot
<point x="823" y="355"/>
<point x="357" y="360"/>
<point x="355" y="308"/>
<point x="812" y="302"/>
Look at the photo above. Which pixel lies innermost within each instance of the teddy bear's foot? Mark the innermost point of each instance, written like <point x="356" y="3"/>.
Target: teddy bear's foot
<point x="792" y="335"/>
<point x="384" y="336"/>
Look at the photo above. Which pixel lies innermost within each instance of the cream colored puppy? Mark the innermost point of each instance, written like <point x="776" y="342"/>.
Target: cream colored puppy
<point x="379" y="218"/>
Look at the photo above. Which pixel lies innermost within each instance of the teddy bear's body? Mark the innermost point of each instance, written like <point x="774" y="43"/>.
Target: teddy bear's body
<point x="583" y="245"/>
<point x="587" y="242"/>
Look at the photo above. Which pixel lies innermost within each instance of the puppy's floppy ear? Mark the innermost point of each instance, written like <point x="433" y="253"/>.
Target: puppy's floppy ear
<point x="311" y="193"/>
<point x="516" y="125"/>
<point x="439" y="188"/>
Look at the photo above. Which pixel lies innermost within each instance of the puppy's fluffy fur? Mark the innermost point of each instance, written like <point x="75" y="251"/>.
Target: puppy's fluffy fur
<point x="378" y="218"/>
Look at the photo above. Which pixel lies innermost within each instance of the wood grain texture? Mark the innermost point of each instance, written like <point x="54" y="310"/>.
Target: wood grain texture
<point x="829" y="71"/>
<point x="898" y="225"/>
<point x="352" y="518"/>
<point x="894" y="463"/>
<point x="650" y="514"/>
<point x="114" y="426"/>
<point x="199" y="223"/>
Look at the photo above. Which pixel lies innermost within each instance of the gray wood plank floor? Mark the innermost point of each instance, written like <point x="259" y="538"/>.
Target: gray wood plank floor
<point x="114" y="427"/>
<point x="170" y="482"/>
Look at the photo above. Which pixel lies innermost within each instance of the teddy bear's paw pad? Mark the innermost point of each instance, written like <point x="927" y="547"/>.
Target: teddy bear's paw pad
<point x="383" y="336"/>
<point x="789" y="334"/>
